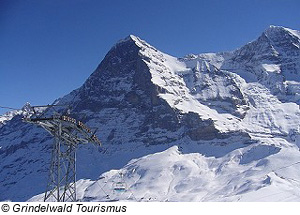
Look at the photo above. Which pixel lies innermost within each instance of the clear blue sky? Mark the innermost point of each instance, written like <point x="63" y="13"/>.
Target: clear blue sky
<point x="50" y="47"/>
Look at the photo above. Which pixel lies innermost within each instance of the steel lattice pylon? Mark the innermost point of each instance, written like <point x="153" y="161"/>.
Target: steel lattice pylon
<point x="62" y="171"/>
<point x="68" y="134"/>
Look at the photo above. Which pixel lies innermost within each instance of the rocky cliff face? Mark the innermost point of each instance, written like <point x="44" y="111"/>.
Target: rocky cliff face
<point x="121" y="86"/>
<point x="131" y="83"/>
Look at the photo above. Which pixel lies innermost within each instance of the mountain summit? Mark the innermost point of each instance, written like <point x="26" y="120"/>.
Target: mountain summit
<point x="221" y="121"/>
<point x="281" y="36"/>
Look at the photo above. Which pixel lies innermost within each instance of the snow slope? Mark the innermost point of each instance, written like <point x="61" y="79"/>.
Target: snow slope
<point x="257" y="172"/>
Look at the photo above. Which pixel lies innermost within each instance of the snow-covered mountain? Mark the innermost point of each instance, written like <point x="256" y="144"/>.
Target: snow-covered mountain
<point x="272" y="60"/>
<point x="24" y="111"/>
<point x="207" y="127"/>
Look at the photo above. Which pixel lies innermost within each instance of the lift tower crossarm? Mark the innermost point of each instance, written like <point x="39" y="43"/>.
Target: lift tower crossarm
<point x="68" y="133"/>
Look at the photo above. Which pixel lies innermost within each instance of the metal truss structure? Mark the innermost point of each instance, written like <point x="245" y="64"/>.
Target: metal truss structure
<point x="68" y="133"/>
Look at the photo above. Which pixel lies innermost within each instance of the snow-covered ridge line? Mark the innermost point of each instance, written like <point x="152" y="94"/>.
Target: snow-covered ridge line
<point x="25" y="110"/>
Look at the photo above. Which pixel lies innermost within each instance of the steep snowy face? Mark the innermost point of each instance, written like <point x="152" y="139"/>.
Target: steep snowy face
<point x="217" y="89"/>
<point x="275" y="45"/>
<point x="272" y="60"/>
<point x="285" y="41"/>
<point x="253" y="82"/>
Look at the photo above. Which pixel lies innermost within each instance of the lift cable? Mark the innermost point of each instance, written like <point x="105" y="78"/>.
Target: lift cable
<point x="102" y="188"/>
<point x="287" y="166"/>
<point x="10" y="108"/>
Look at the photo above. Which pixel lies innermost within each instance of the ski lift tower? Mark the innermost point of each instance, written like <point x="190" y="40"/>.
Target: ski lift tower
<point x="68" y="133"/>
